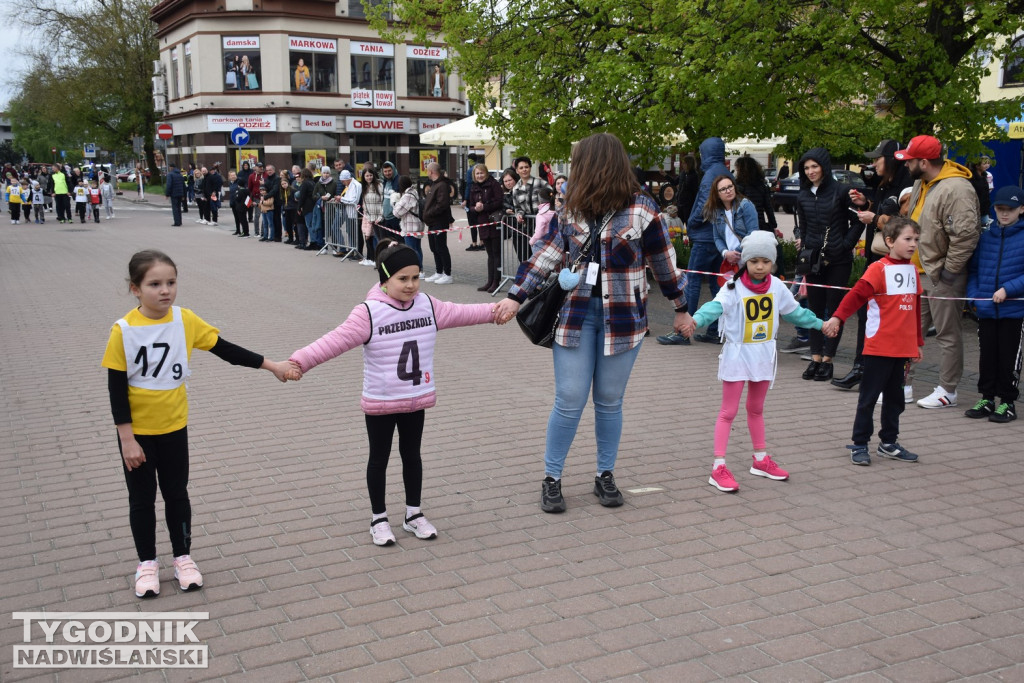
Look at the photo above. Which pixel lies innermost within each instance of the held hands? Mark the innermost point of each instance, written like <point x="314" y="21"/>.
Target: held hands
<point x="505" y="310"/>
<point x="284" y="370"/>
<point x="830" y="327"/>
<point x="684" y="324"/>
<point x="999" y="296"/>
<point x="732" y="256"/>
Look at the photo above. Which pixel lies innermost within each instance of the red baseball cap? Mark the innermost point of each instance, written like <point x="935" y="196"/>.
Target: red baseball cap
<point x="921" y="147"/>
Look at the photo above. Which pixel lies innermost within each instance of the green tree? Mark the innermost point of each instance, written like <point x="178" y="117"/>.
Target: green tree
<point x="93" y="83"/>
<point x="840" y="74"/>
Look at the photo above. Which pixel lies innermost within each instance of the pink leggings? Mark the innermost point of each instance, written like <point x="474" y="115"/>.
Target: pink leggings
<point x="731" y="392"/>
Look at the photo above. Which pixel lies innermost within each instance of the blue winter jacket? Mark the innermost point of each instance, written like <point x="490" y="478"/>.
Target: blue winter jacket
<point x="712" y="164"/>
<point x="744" y="222"/>
<point x="998" y="261"/>
<point x="175" y="186"/>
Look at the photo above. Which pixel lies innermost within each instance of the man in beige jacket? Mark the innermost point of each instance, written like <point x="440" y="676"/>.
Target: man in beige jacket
<point x="945" y="205"/>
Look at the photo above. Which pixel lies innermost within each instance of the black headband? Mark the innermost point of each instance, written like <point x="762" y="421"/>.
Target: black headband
<point x="400" y="258"/>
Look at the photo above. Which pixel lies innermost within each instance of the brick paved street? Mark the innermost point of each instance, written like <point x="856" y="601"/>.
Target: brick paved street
<point x="893" y="572"/>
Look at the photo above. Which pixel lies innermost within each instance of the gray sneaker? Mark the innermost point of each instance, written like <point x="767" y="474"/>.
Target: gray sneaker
<point x="859" y="455"/>
<point x="673" y="339"/>
<point x="796" y="345"/>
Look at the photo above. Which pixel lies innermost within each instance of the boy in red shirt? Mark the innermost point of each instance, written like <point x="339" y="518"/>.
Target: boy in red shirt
<point x="94" y="200"/>
<point x="892" y="291"/>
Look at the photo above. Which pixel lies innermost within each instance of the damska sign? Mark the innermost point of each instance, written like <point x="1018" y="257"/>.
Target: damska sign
<point x="317" y="122"/>
<point x="374" y="124"/>
<point x="228" y="122"/>
<point x="380" y="49"/>
<point x="308" y="44"/>
<point x="241" y="42"/>
<point x="422" y="52"/>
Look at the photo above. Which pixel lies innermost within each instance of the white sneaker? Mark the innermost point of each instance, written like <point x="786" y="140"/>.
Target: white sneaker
<point x="432" y="278"/>
<point x="367" y="262"/>
<point x="200" y="221"/>
<point x="418" y="524"/>
<point x="444" y="280"/>
<point x="381" y="532"/>
<point x="212" y="224"/>
<point x="938" y="399"/>
<point x="422" y="275"/>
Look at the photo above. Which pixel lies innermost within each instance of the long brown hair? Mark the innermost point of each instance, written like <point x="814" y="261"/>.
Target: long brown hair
<point x="602" y="178"/>
<point x="714" y="204"/>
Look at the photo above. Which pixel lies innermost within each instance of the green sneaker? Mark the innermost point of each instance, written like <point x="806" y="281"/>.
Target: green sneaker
<point x="983" y="408"/>
<point x="1004" y="413"/>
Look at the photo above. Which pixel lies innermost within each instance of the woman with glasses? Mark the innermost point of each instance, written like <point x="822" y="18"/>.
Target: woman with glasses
<point x="732" y="217"/>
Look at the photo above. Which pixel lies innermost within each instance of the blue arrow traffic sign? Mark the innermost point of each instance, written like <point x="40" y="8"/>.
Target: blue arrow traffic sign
<point x="239" y="136"/>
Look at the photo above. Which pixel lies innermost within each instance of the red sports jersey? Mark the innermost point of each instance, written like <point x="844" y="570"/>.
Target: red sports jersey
<point x="892" y="291"/>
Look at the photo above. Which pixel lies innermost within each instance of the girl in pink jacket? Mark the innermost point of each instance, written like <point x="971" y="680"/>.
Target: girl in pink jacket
<point x="396" y="326"/>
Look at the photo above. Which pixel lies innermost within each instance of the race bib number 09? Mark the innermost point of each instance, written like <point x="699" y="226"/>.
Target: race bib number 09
<point x="758" y="319"/>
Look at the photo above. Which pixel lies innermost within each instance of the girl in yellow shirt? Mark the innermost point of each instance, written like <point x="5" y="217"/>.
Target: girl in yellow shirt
<point x="147" y="358"/>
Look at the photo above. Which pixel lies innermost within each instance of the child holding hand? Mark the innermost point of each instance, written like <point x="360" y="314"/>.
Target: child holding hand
<point x="147" y="360"/>
<point x="396" y="326"/>
<point x="750" y="306"/>
<point x="995" y="281"/>
<point x="892" y="291"/>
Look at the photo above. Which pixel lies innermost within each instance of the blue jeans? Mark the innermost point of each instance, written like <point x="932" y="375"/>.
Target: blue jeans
<point x="316" y="225"/>
<point x="703" y="256"/>
<point x="575" y="370"/>
<point x="414" y="243"/>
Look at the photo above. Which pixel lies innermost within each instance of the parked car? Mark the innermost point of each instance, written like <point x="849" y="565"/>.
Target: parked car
<point x="127" y="175"/>
<point x="784" y="191"/>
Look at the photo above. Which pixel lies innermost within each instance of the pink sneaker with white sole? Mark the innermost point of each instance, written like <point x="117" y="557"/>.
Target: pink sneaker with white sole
<point x="187" y="573"/>
<point x="769" y="468"/>
<point x="147" y="579"/>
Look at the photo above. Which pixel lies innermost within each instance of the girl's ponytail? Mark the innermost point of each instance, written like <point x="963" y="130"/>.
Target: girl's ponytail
<point x="731" y="284"/>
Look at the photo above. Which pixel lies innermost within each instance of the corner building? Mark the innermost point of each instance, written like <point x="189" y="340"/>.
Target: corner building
<point x="307" y="79"/>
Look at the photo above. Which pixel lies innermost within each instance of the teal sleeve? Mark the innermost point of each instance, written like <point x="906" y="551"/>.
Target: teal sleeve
<point x="709" y="313"/>
<point x="803" y="317"/>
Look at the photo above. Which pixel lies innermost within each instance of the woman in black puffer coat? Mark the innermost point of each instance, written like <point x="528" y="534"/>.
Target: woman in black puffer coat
<point x="827" y="226"/>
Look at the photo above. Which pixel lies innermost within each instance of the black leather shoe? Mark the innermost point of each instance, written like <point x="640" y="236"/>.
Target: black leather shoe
<point x="707" y="338"/>
<point x="852" y="378"/>
<point x="823" y="373"/>
<point x="811" y="370"/>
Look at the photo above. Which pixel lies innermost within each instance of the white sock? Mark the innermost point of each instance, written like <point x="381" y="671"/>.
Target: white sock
<point x="380" y="516"/>
<point x="555" y="478"/>
<point x="759" y="455"/>
<point x="719" y="461"/>
<point x="410" y="511"/>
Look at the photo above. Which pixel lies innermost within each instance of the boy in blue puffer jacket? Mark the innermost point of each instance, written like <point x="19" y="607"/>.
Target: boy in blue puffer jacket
<point x="996" y="272"/>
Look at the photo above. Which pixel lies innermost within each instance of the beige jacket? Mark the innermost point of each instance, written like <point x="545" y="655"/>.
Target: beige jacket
<point x="947" y="211"/>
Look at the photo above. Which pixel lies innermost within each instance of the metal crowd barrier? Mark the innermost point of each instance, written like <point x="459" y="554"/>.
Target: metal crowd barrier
<point x="515" y="247"/>
<point x="341" y="233"/>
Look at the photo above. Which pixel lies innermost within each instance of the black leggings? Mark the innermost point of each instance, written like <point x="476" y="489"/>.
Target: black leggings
<point x="381" y="429"/>
<point x="167" y="465"/>
<point x="439" y="248"/>
<point x="822" y="301"/>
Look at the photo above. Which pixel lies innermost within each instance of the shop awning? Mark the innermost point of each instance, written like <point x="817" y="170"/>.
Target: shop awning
<point x="464" y="132"/>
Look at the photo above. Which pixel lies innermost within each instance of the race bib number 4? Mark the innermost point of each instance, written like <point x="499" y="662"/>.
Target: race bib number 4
<point x="900" y="279"/>
<point x="758" y="319"/>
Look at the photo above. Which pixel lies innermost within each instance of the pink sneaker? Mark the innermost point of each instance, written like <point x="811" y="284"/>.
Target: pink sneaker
<point x="147" y="579"/>
<point x="768" y="468"/>
<point x="722" y="479"/>
<point x="381" y="533"/>
<point x="419" y="525"/>
<point x="187" y="573"/>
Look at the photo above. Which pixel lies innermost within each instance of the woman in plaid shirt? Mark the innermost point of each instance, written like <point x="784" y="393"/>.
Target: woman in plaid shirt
<point x="604" y="317"/>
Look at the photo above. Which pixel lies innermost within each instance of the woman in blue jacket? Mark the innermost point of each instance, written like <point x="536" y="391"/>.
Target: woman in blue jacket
<point x="732" y="217"/>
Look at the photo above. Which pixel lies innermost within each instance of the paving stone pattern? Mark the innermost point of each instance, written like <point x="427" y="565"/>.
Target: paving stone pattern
<point x="893" y="572"/>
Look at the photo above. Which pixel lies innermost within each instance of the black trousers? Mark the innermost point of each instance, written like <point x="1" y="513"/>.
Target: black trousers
<point x="999" y="362"/>
<point x="492" y="245"/>
<point x="885" y="376"/>
<point x="63" y="204"/>
<point x="166" y="466"/>
<point x="439" y="248"/>
<point x="821" y="301"/>
<point x="381" y="430"/>
<point x="241" y="218"/>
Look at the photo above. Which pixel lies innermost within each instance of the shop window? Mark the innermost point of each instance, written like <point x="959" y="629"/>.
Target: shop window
<point x="426" y="78"/>
<point x="242" y="65"/>
<point x="373" y="73"/>
<point x="357" y="8"/>
<point x="1013" y="67"/>
<point x="314" y="64"/>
